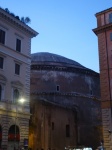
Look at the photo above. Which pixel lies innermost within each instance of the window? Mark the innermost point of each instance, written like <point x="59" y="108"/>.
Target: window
<point x="0" y="92"/>
<point x="14" y="133"/>
<point x="18" y="45"/>
<point x="111" y="36"/>
<point x="1" y="62"/>
<point x="52" y="125"/>
<point x="16" y="95"/>
<point x="17" y="69"/>
<point x="110" y="18"/>
<point x="91" y="92"/>
<point x="67" y="130"/>
<point x="2" y="36"/>
<point x="57" y="88"/>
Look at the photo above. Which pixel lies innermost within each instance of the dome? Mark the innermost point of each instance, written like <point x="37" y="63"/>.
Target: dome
<point x="46" y="58"/>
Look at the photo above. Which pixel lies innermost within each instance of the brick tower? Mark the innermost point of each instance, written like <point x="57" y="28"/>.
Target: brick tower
<point x="104" y="33"/>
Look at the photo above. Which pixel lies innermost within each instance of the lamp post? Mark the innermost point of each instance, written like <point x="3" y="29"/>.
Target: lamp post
<point x="21" y="101"/>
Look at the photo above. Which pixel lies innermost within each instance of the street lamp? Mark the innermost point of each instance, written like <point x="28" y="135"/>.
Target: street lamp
<point x="22" y="100"/>
<point x="19" y="101"/>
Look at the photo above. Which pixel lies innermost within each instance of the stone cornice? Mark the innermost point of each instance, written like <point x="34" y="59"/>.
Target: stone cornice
<point x="104" y="11"/>
<point x="63" y="68"/>
<point x="9" y="18"/>
<point x="102" y="28"/>
<point x="73" y="94"/>
<point x="47" y="102"/>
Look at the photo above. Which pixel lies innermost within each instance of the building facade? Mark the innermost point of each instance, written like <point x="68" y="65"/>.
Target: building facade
<point x="65" y="104"/>
<point x="15" y="59"/>
<point x="104" y="34"/>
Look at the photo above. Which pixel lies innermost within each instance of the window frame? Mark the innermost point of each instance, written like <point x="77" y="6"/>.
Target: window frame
<point x="57" y="88"/>
<point x="52" y="125"/>
<point x="17" y="68"/>
<point x="67" y="130"/>
<point x="1" y="60"/>
<point x="111" y="36"/>
<point x="110" y="18"/>
<point x="2" y="90"/>
<point x="19" y="86"/>
<point x="2" y="37"/>
<point x="18" y="44"/>
<point x="15" y="97"/>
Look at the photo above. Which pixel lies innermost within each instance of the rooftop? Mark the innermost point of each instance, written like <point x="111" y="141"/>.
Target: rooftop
<point x="11" y="18"/>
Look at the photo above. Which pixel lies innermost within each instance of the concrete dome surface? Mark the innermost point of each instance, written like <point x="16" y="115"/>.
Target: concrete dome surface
<point x="54" y="59"/>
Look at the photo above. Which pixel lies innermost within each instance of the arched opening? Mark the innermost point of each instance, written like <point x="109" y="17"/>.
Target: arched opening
<point x="13" y="136"/>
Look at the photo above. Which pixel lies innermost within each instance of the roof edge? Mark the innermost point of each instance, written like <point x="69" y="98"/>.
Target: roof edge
<point x="5" y="15"/>
<point x="103" y="11"/>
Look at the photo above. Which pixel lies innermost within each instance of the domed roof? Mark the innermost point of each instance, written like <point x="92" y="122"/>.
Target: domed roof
<point x="53" y="59"/>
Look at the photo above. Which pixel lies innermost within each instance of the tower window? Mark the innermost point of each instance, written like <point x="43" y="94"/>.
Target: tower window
<point x="58" y="88"/>
<point x="67" y="130"/>
<point x="1" y="62"/>
<point x="18" y="45"/>
<point x="2" y="36"/>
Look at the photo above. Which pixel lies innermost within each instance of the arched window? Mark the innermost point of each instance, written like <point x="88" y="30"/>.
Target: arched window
<point x="0" y="92"/>
<point x="16" y="95"/>
<point x="14" y="134"/>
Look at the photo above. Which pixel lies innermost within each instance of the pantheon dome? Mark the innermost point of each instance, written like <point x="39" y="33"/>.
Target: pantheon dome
<point x="49" y="59"/>
<point x="65" y="103"/>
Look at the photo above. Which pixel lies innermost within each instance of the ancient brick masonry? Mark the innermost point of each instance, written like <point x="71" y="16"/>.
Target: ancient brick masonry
<point x="63" y="93"/>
